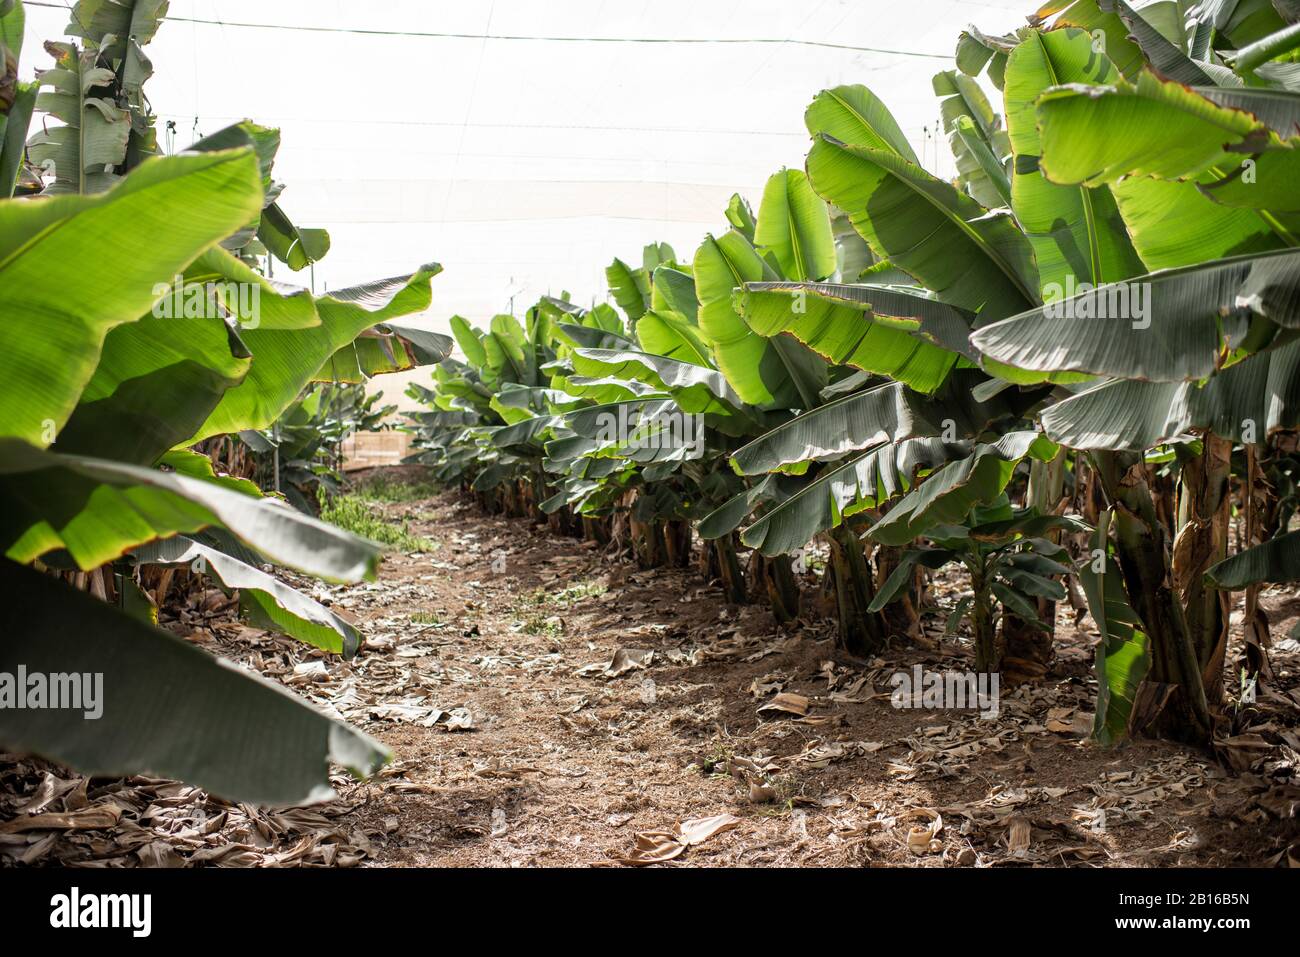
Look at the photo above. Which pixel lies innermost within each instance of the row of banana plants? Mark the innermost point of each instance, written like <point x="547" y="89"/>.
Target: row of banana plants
<point x="1071" y="370"/>
<point x="137" y="328"/>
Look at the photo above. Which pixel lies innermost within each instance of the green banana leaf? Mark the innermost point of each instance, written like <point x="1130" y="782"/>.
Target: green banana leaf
<point x="60" y="296"/>
<point x="794" y="226"/>
<point x="168" y="708"/>
<point x="98" y="510"/>
<point x="1277" y="560"/>
<point x="264" y="600"/>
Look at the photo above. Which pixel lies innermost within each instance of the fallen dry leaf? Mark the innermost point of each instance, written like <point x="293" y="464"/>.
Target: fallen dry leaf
<point x="700" y="829"/>
<point x="787" y="703"/>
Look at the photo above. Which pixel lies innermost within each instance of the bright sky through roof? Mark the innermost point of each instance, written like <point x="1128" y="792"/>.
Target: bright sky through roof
<point x="525" y="166"/>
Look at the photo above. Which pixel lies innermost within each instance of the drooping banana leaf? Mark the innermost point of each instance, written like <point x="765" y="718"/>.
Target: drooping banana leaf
<point x="969" y="257"/>
<point x="948" y="495"/>
<point x="264" y="600"/>
<point x="98" y="510"/>
<point x="388" y="347"/>
<point x="696" y="388"/>
<point x="168" y="707"/>
<point x="1277" y="560"/>
<point x="856" y="116"/>
<point x="1169" y="326"/>
<point x="867" y="327"/>
<point x="1244" y="402"/>
<point x="286" y="360"/>
<point x="885" y="413"/>
<point x="862" y="482"/>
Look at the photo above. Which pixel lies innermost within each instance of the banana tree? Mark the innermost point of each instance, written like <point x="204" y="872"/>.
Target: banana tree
<point x="1201" y="342"/>
<point x="68" y="510"/>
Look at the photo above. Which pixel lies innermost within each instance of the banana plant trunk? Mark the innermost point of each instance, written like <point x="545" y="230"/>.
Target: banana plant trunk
<point x="861" y="632"/>
<point x="984" y="626"/>
<point x="1204" y="511"/>
<point x="732" y="575"/>
<point x="775" y="577"/>
<point x="1171" y="701"/>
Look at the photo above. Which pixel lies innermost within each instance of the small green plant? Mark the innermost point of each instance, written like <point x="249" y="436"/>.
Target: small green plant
<point x="382" y="487"/>
<point x="424" y="618"/>
<point x="357" y="515"/>
<point x="576" y="593"/>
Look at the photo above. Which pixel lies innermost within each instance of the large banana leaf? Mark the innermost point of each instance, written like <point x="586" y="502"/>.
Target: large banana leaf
<point x="1277" y="560"/>
<point x="168" y="708"/>
<point x="674" y="291"/>
<point x="1163" y="54"/>
<point x="749" y="361"/>
<point x="264" y="600"/>
<point x="1076" y="231"/>
<point x="98" y="510"/>
<point x="696" y="388"/>
<point x="287" y="360"/>
<point x="159" y="378"/>
<point x="1244" y="402"/>
<point x="855" y="115"/>
<point x="1096" y="135"/>
<point x="966" y="255"/>
<point x="668" y="334"/>
<point x="1170" y="326"/>
<point x="386" y="348"/>
<point x="1111" y="34"/>
<point x="885" y="413"/>
<point x="278" y="305"/>
<point x="60" y="293"/>
<point x="795" y="227"/>
<point x="868" y="327"/>
<point x="157" y="382"/>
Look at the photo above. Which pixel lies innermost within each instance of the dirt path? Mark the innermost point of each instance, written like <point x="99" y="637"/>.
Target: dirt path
<point x="566" y="764"/>
<point x="517" y="744"/>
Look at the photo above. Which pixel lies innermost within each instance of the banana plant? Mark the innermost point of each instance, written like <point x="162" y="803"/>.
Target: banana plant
<point x="1197" y="350"/>
<point x="76" y="511"/>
